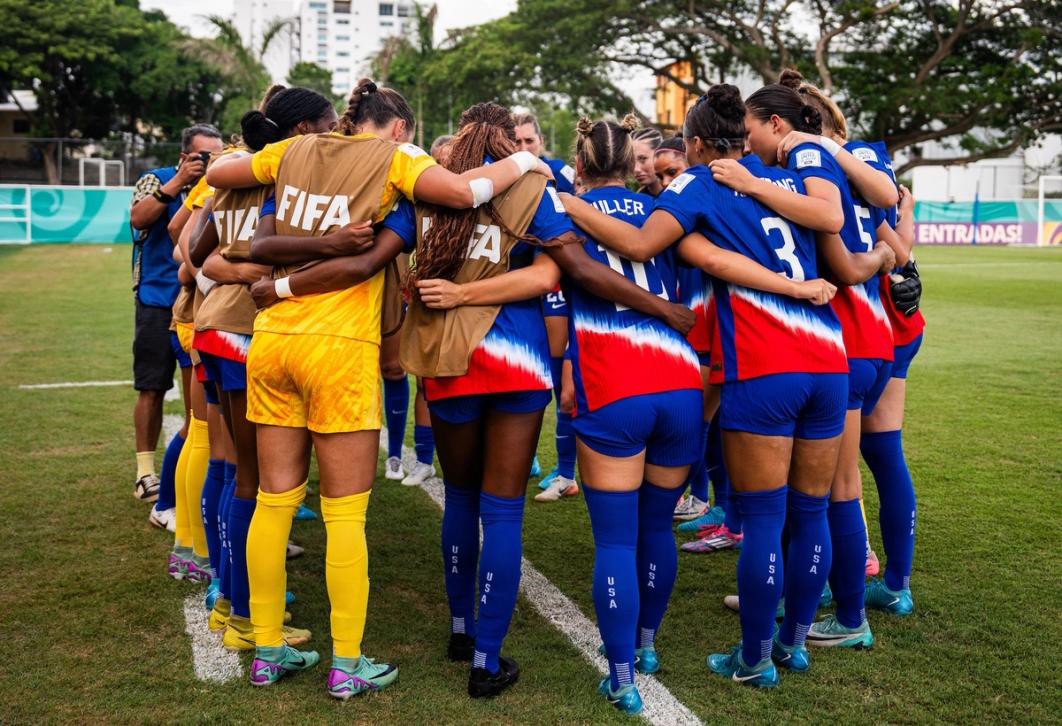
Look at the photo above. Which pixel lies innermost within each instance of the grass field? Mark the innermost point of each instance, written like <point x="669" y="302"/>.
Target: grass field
<point x="94" y="631"/>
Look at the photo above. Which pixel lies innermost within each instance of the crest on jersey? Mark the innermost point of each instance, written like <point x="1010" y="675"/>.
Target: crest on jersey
<point x="808" y="157"/>
<point x="412" y="150"/>
<point x="558" y="207"/>
<point x="679" y="183"/>
<point x="864" y="154"/>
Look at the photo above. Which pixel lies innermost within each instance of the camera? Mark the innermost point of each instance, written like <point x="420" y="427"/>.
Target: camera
<point x="204" y="156"/>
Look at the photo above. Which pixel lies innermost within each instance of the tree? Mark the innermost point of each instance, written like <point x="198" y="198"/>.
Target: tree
<point x="311" y="75"/>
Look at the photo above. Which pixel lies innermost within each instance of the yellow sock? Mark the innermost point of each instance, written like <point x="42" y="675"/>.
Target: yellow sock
<point x="145" y="463"/>
<point x="346" y="570"/>
<point x="198" y="458"/>
<point x="864" y="511"/>
<point x="183" y="535"/>
<point x="267" y="543"/>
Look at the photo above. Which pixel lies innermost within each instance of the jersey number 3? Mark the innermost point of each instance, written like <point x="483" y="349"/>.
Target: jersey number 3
<point x="787" y="252"/>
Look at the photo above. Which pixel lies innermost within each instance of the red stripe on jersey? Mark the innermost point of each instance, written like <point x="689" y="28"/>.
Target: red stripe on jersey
<point x="866" y="327"/>
<point x="492" y="369"/>
<point x="904" y="329"/>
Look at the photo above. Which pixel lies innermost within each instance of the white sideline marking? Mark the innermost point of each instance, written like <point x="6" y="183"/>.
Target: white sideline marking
<point x="210" y="660"/>
<point x="661" y="707"/>
<point x="171" y="395"/>
<point x="171" y="424"/>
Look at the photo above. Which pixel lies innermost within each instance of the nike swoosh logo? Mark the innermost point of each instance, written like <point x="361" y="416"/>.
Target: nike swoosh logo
<point x="742" y="679"/>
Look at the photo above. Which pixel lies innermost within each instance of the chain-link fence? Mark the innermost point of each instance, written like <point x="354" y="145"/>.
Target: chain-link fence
<point x="85" y="162"/>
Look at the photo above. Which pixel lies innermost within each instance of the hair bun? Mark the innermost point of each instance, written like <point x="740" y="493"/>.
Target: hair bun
<point x="258" y="130"/>
<point x="365" y="87"/>
<point x="629" y="123"/>
<point x="812" y="119"/>
<point x="725" y="100"/>
<point x="585" y="126"/>
<point x="791" y="78"/>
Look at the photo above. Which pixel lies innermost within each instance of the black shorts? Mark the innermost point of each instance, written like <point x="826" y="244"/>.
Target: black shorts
<point x="153" y="358"/>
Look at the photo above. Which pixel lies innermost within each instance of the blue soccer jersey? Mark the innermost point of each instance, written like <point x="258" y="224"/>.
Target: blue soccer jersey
<point x="514" y="354"/>
<point x="618" y="352"/>
<point x="867" y="332"/>
<point x="563" y="173"/>
<point x="760" y="333"/>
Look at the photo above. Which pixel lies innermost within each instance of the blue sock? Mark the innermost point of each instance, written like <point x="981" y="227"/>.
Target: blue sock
<point x="499" y="574"/>
<point x="614" y="519"/>
<point x="167" y="495"/>
<point x="424" y="443"/>
<point x="883" y="453"/>
<point x="240" y="512"/>
<point x="565" y="445"/>
<point x="208" y="503"/>
<point x="808" y="563"/>
<point x="713" y="457"/>
<point x="657" y="557"/>
<point x="230" y="471"/>
<point x="759" y="569"/>
<point x="848" y="572"/>
<point x="460" y="549"/>
<point x="699" y="471"/>
<point x="225" y="566"/>
<point x="396" y="406"/>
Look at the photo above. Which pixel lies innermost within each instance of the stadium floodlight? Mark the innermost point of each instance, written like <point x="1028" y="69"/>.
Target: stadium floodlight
<point x="1041" y="237"/>
<point x="101" y="166"/>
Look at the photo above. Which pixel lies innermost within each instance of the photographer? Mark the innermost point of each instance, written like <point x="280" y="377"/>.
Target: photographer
<point x="156" y="199"/>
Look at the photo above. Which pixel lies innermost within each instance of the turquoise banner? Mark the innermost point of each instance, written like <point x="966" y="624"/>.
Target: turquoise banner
<point x="65" y="214"/>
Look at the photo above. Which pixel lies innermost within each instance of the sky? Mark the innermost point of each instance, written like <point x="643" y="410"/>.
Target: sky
<point x="452" y="14"/>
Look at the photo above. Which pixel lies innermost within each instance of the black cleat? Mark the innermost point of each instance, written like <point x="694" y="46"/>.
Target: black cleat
<point x="461" y="647"/>
<point x="484" y="684"/>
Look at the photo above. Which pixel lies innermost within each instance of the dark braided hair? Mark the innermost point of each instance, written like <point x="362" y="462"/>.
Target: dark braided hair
<point x="485" y="129"/>
<point x="369" y="102"/>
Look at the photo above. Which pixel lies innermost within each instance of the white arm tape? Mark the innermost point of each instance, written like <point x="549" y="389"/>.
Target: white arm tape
<point x="525" y="160"/>
<point x="282" y="287"/>
<point x="830" y="145"/>
<point x="482" y="191"/>
<point x="204" y="283"/>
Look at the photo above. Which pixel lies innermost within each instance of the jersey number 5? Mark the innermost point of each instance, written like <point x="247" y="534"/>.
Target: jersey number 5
<point x="787" y="252"/>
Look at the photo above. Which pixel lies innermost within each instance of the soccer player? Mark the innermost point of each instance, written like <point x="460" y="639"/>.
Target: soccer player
<point x="529" y="138"/>
<point x="313" y="364"/>
<point x="646" y="141"/>
<point x="847" y="242"/>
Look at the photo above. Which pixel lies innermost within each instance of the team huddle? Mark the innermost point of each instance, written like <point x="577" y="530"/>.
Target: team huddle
<point x="743" y="322"/>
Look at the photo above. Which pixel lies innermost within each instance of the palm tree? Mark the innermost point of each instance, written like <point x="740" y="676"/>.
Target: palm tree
<point x="243" y="64"/>
<point x="421" y="51"/>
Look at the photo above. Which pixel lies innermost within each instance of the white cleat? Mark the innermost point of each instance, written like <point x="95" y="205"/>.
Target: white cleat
<point x="420" y="473"/>
<point x="163" y="519"/>
<point x="690" y="507"/>
<point x="393" y="469"/>
<point x="558" y="487"/>
<point x="732" y="602"/>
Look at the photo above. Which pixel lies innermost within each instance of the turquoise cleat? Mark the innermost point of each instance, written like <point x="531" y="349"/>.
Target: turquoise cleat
<point x="731" y="665"/>
<point x="536" y="468"/>
<point x="544" y="481"/>
<point x="790" y="657"/>
<point x="272" y="664"/>
<point x="304" y="513"/>
<point x="713" y="517"/>
<point x="646" y="660"/>
<point x="351" y="676"/>
<point x="212" y="593"/>
<point x="626" y="699"/>
<point x="880" y="597"/>
<point x="830" y="633"/>
<point x="827" y="596"/>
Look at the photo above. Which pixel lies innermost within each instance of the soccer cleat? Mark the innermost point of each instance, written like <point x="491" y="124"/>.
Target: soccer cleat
<point x="178" y="562"/>
<point x="272" y="664"/>
<point x="712" y="518"/>
<point x="732" y="665"/>
<point x="690" y="507"/>
<point x="544" y="482"/>
<point x="873" y="566"/>
<point x="790" y="657"/>
<point x="826" y="597"/>
<point x="830" y="633"/>
<point x="294" y="551"/>
<point x="419" y="474"/>
<point x="351" y="676"/>
<point x="646" y="660"/>
<point x="219" y="615"/>
<point x="558" y="487"/>
<point x="626" y="699"/>
<point x="289" y="597"/>
<point x="720" y="539"/>
<point x="880" y="597"/>
<point x="163" y="518"/>
<point x="146" y="488"/>
<point x="212" y="594"/>
<point x="239" y="635"/>
<point x="393" y="469"/>
<point x="536" y="468"/>
<point x="733" y="602"/>
<point x="484" y="684"/>
<point x="304" y="513"/>
<point x="461" y="647"/>
<point x="197" y="569"/>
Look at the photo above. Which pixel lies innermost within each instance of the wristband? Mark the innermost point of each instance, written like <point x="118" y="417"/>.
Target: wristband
<point x="204" y="283"/>
<point x="163" y="197"/>
<point x="830" y="145"/>
<point x="282" y="287"/>
<point x="525" y="160"/>
<point x="482" y="190"/>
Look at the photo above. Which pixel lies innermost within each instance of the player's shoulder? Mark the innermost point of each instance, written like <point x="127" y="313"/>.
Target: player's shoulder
<point x="809" y="155"/>
<point x="694" y="177"/>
